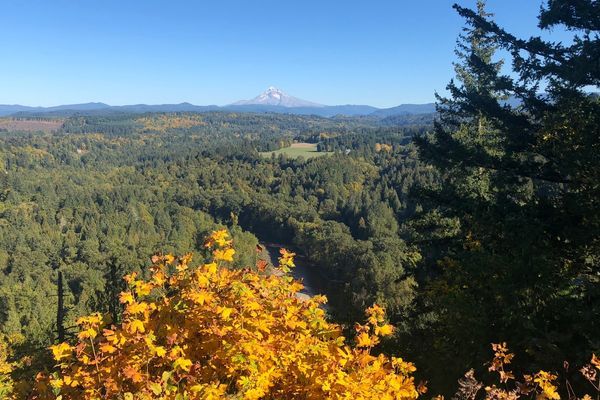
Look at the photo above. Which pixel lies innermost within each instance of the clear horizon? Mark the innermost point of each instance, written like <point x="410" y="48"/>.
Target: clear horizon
<point x="382" y="54"/>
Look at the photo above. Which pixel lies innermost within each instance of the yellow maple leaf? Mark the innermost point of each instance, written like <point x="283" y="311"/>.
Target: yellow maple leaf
<point x="61" y="350"/>
<point x="384" y="330"/>
<point x="224" y="254"/>
<point x="88" y="333"/>
<point x="595" y="361"/>
<point x="126" y="298"/>
<point x="143" y="288"/>
<point x="136" y="326"/>
<point x="226" y="312"/>
<point x="136" y="308"/>
<point x="133" y="373"/>
<point x="182" y="363"/>
<point x="200" y="297"/>
<point x="364" y="340"/>
<point x="107" y="348"/>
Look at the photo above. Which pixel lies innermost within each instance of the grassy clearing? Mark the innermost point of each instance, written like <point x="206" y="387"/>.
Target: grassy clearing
<point x="306" y="150"/>
<point x="30" y="125"/>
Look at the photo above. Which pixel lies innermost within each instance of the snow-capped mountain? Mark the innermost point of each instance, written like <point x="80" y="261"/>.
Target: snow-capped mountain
<point x="275" y="97"/>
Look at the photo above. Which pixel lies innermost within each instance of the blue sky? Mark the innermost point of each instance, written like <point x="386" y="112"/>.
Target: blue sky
<point x="381" y="53"/>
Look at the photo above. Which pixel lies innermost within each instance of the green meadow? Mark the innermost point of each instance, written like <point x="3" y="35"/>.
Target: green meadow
<point x="306" y="150"/>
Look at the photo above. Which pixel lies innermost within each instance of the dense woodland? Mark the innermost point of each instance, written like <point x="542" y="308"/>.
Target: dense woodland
<point x="480" y="227"/>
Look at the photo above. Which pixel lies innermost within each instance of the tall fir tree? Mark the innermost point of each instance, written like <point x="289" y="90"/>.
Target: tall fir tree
<point x="522" y="178"/>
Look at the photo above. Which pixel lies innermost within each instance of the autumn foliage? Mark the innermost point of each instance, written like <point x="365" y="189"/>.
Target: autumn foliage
<point x="541" y="385"/>
<point x="6" y="367"/>
<point x="164" y="122"/>
<point x="210" y="332"/>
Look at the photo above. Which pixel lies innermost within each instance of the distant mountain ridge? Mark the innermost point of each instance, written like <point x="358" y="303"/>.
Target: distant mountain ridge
<point x="272" y="100"/>
<point x="8" y="109"/>
<point x="406" y="109"/>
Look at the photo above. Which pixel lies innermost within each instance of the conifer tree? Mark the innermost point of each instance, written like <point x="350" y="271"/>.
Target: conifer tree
<point x="521" y="176"/>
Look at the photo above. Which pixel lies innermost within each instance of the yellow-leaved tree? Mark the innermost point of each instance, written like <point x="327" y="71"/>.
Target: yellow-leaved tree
<point x="210" y="332"/>
<point x="6" y="368"/>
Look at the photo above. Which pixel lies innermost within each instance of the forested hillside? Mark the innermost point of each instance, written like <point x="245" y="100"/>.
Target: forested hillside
<point x="90" y="203"/>
<point x="481" y="227"/>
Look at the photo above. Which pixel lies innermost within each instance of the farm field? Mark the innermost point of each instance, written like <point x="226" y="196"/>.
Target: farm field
<point x="306" y="150"/>
<point x="30" y="125"/>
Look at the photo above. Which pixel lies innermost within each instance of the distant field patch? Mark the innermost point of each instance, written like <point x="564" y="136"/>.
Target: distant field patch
<point x="306" y="150"/>
<point x="30" y="125"/>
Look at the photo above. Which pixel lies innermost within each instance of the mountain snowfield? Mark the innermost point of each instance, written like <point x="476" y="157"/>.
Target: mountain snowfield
<point x="276" y="97"/>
